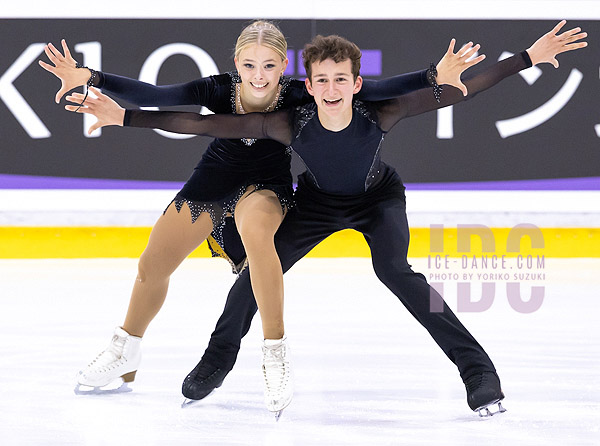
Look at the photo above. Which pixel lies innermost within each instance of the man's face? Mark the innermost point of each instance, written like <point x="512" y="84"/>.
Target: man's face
<point x="333" y="86"/>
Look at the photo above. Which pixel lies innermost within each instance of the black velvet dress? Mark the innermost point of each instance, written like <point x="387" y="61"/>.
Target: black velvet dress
<point x="229" y="166"/>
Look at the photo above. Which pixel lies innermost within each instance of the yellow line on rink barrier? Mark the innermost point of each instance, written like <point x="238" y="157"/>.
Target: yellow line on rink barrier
<point x="94" y="242"/>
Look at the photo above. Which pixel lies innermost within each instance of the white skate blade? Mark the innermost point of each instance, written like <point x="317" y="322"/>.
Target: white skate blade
<point x="485" y="412"/>
<point x="80" y="389"/>
<point x="278" y="414"/>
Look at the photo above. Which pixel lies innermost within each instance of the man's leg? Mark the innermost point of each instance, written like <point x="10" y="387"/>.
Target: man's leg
<point x="386" y="232"/>
<point x="385" y="228"/>
<point x="303" y="228"/>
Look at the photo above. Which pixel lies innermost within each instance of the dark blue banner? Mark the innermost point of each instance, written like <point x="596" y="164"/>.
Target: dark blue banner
<point x="539" y="124"/>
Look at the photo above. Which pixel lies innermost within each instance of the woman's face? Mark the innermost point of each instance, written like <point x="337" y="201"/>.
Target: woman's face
<point x="260" y="68"/>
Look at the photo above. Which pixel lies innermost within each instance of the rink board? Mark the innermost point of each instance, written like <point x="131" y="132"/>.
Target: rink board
<point x="106" y="242"/>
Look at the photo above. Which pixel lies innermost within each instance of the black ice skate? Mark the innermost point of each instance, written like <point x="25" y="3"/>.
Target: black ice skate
<point x="483" y="391"/>
<point x="201" y="382"/>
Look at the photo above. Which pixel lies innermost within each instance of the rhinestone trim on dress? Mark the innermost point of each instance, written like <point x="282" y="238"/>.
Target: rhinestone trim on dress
<point x="284" y="83"/>
<point x="218" y="212"/>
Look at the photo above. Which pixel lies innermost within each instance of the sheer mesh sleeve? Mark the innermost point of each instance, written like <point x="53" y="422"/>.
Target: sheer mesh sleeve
<point x="392" y="87"/>
<point x="274" y="125"/>
<point x="391" y="111"/>
<point x="143" y="94"/>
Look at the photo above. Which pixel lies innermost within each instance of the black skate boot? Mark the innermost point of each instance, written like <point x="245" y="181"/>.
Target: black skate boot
<point x="201" y="381"/>
<point x="483" y="390"/>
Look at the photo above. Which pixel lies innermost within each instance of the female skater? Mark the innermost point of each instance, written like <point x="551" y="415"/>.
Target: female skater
<point x="247" y="178"/>
<point x="361" y="192"/>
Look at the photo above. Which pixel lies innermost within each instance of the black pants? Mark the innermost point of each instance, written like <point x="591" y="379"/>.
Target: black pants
<point x="380" y="215"/>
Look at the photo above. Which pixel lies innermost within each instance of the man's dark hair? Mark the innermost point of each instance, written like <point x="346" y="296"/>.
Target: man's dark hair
<point x="331" y="47"/>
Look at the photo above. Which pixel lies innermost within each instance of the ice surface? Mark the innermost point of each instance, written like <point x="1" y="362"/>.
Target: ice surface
<point x="366" y="372"/>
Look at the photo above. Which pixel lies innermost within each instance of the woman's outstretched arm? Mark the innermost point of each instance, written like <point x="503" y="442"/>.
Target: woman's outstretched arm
<point x="64" y="67"/>
<point x="449" y="70"/>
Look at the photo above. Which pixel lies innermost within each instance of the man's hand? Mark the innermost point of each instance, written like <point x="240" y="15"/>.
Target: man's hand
<point x="547" y="47"/>
<point x="104" y="108"/>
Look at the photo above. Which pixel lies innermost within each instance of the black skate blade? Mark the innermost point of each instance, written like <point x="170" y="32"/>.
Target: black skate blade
<point x="278" y="415"/>
<point x="124" y="388"/>
<point x="485" y="412"/>
<point x="188" y="402"/>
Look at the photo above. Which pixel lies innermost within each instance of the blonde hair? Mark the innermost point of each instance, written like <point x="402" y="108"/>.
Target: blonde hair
<point x="264" y="33"/>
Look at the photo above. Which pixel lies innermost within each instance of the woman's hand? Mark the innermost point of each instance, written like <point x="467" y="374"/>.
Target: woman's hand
<point x="547" y="47"/>
<point x="102" y="107"/>
<point x="64" y="69"/>
<point x="452" y="65"/>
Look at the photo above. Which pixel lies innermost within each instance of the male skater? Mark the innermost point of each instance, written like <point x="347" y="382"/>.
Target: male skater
<point x="346" y="185"/>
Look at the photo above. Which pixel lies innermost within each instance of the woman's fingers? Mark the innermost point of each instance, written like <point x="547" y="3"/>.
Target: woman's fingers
<point x="471" y="52"/>
<point x="46" y="66"/>
<point x="451" y="46"/>
<point x="475" y="60"/>
<point x="51" y="55"/>
<point x="66" y="49"/>
<point x="60" y="93"/>
<point x="465" y="49"/>
<point x="55" y="51"/>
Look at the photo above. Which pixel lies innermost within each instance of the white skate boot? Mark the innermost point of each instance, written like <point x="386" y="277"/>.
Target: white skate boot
<point x="120" y="360"/>
<point x="279" y="385"/>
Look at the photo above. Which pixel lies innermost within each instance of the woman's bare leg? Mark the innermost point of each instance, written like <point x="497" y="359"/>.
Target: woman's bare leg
<point x="173" y="238"/>
<point x="257" y="216"/>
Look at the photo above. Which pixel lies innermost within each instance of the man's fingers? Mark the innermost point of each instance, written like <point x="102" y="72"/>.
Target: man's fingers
<point x="569" y="32"/>
<point x="75" y="97"/>
<point x="77" y="108"/>
<point x="93" y="127"/>
<point x="573" y="46"/>
<point x="575" y="38"/>
<point x="96" y="91"/>
<point x="558" y="27"/>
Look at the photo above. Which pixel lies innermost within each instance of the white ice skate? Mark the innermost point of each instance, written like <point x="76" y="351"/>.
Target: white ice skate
<point x="279" y="385"/>
<point x="120" y="360"/>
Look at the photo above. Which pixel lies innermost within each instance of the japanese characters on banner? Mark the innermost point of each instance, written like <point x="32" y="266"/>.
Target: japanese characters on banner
<point x="541" y="123"/>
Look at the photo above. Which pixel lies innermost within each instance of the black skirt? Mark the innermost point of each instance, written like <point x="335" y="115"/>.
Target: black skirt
<point x="222" y="176"/>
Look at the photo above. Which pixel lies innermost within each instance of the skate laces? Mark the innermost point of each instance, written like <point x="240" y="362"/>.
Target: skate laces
<point x="475" y="381"/>
<point x="204" y="372"/>
<point x="275" y="367"/>
<point x="112" y="356"/>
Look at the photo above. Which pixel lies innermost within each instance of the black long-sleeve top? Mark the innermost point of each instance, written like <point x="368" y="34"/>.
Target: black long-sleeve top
<point x="208" y="91"/>
<point x="344" y="162"/>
